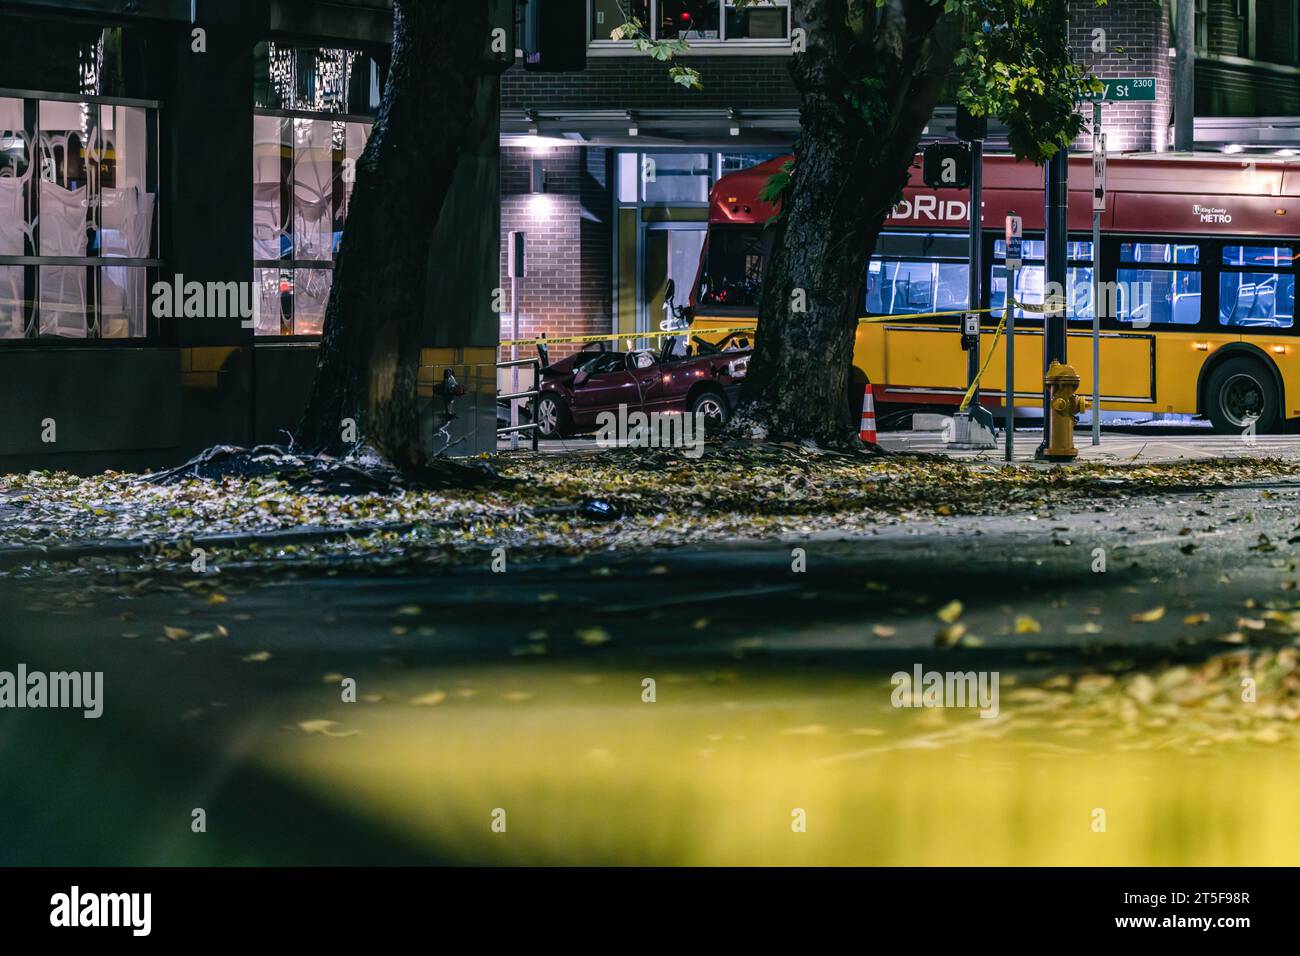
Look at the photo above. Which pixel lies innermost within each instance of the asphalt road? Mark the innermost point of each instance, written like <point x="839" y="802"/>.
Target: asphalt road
<point x="225" y="710"/>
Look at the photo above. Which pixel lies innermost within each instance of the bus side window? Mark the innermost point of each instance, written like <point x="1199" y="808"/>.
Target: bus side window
<point x="1159" y="284"/>
<point x="1252" y="297"/>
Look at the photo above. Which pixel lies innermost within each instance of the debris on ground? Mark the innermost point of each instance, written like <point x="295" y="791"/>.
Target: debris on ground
<point x="626" y="499"/>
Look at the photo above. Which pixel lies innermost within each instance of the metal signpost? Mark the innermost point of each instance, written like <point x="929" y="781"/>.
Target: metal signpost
<point x="1098" y="207"/>
<point x="1132" y="89"/>
<point x="975" y="220"/>
<point x="516" y="266"/>
<point x="973" y="428"/>
<point x="1014" y="259"/>
<point x="1055" y="278"/>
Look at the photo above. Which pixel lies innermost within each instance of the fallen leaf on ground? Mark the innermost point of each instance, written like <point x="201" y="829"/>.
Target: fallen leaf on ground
<point x="325" y="728"/>
<point x="949" y="612"/>
<point x="1148" y="617"/>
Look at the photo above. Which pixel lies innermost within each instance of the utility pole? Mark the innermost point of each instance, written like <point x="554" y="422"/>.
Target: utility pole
<point x="973" y="428"/>
<point x="515" y="262"/>
<point x="1014" y="260"/>
<point x="1098" y="207"/>
<point x="1055" y="196"/>
<point x="1185" y="76"/>
<point x="974" y="247"/>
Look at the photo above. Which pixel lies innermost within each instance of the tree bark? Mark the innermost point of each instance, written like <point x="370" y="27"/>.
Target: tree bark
<point x="370" y="344"/>
<point x="851" y="163"/>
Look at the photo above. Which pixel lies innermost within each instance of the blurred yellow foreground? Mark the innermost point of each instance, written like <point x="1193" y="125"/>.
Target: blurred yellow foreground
<point x="715" y="771"/>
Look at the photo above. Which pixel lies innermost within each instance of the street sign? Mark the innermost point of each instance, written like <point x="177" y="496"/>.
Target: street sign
<point x="1128" y="89"/>
<point x="1015" y="253"/>
<point x="1098" y="172"/>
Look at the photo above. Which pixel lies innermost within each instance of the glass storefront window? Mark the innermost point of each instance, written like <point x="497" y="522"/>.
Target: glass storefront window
<point x="694" y="21"/>
<point x="125" y="202"/>
<point x="313" y="190"/>
<point x="315" y="79"/>
<point x="609" y="15"/>
<point x="767" y="21"/>
<point x="274" y="289"/>
<point x="311" y="291"/>
<point x="735" y="162"/>
<point x="303" y="178"/>
<point x="124" y="301"/>
<point x="271" y="176"/>
<point x="689" y="19"/>
<point x="353" y="137"/>
<point x="77" y="182"/>
<point x="675" y="177"/>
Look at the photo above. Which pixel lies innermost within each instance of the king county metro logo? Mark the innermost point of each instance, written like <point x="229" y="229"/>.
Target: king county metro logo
<point x="1211" y="214"/>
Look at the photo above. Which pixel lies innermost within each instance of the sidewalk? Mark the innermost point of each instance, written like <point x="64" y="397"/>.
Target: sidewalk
<point x="1115" y="447"/>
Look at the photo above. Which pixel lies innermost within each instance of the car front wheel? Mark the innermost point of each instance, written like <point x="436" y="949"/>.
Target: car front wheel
<point x="713" y="406"/>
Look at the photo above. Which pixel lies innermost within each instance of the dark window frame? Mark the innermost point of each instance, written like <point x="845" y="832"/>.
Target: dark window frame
<point x="33" y="260"/>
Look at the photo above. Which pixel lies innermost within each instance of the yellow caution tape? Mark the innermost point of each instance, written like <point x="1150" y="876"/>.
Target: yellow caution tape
<point x="629" y="336"/>
<point x="970" y="392"/>
<point x="1056" y="305"/>
<point x="701" y="330"/>
<point x="868" y="319"/>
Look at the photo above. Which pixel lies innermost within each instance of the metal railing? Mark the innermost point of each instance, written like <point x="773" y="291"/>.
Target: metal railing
<point x="513" y="429"/>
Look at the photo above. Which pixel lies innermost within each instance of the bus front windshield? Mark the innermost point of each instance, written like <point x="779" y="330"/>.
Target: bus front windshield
<point x="733" y="268"/>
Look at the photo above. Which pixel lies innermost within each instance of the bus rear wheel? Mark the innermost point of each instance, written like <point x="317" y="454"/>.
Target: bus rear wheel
<point x="1241" y="392"/>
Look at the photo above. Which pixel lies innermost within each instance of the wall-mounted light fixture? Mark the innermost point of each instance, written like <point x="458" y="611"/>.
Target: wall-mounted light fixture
<point x="536" y="177"/>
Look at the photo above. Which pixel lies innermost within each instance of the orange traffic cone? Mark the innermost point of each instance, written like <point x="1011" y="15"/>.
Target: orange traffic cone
<point x="867" y="429"/>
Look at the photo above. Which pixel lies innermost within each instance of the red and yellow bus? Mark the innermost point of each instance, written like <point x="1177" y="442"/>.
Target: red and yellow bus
<point x="1198" y="260"/>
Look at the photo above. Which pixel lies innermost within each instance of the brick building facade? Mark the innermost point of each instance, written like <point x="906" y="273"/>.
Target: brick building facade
<point x="570" y="241"/>
<point x="1127" y="38"/>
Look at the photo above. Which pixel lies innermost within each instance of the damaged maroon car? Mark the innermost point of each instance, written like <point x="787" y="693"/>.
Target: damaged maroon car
<point x="698" y="377"/>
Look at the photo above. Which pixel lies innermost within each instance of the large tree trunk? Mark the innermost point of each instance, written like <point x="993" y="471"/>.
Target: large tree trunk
<point x="370" y="347"/>
<point x="851" y="163"/>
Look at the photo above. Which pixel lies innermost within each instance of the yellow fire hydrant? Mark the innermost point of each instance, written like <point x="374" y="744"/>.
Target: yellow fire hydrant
<point x="1063" y="380"/>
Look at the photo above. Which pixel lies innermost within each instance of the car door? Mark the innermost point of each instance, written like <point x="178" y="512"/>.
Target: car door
<point x="608" y="384"/>
<point x="648" y="374"/>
